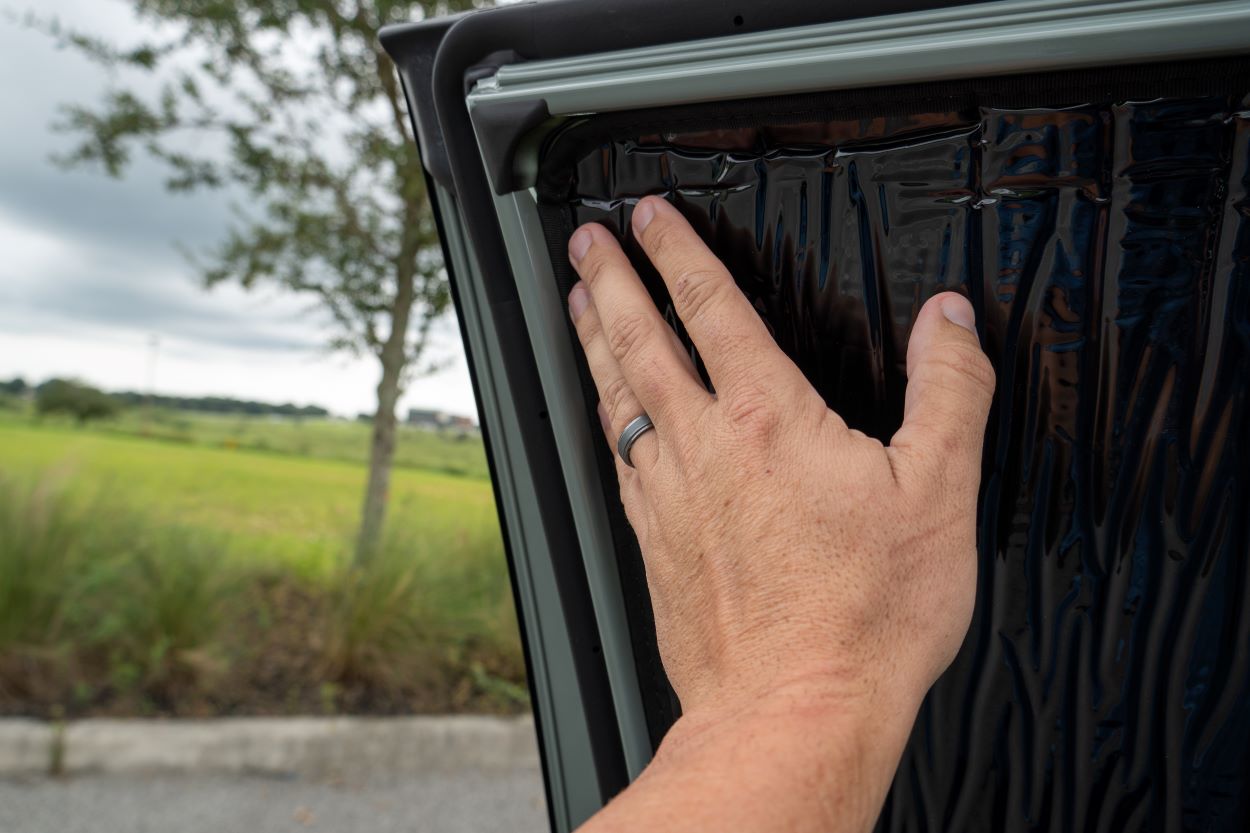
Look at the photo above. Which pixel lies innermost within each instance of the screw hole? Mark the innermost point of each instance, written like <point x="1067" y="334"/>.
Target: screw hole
<point x="738" y="21"/>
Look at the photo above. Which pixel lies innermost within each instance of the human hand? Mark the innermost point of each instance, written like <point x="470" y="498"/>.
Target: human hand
<point x="784" y="551"/>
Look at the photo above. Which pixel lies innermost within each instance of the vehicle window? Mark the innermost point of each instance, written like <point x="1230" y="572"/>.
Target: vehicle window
<point x="1098" y="222"/>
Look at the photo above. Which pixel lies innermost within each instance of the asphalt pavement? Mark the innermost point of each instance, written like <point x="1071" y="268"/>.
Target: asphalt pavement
<point x="468" y="802"/>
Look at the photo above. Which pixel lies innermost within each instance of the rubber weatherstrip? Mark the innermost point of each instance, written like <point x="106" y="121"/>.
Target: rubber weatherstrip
<point x="1041" y="89"/>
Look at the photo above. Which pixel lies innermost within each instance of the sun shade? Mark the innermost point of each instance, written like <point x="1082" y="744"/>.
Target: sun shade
<point x="1098" y="222"/>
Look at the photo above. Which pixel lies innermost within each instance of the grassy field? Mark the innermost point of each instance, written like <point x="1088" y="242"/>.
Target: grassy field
<point x="140" y="575"/>
<point x="275" y="507"/>
<point x="447" y="451"/>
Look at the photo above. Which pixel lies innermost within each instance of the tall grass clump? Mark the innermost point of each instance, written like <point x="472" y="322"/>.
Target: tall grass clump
<point x="93" y="595"/>
<point x="42" y="543"/>
<point x="434" y="604"/>
<point x="154" y="611"/>
<point x="105" y="608"/>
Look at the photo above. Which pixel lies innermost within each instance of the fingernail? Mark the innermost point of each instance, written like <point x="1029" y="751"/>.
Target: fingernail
<point x="958" y="311"/>
<point x="579" y="298"/>
<point x="580" y="244"/>
<point x="644" y="213"/>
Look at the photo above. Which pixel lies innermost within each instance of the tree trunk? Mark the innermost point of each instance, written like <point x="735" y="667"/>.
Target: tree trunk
<point x="394" y="358"/>
<point x="381" y="455"/>
<point x="393" y="352"/>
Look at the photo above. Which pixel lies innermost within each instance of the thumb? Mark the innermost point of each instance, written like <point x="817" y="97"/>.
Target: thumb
<point x="949" y="386"/>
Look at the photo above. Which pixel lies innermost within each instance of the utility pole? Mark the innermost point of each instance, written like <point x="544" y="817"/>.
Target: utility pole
<point x="154" y="349"/>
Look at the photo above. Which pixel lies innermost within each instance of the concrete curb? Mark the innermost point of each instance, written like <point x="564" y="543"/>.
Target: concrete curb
<point x="26" y="746"/>
<point x="313" y="747"/>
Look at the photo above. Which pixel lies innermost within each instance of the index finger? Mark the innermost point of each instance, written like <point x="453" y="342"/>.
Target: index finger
<point x="730" y="336"/>
<point x="633" y="331"/>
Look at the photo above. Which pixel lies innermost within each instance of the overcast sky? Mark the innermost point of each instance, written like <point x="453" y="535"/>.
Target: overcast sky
<point x="90" y="274"/>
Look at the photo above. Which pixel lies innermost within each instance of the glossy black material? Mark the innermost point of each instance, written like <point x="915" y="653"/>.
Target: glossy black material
<point x="1105" y="683"/>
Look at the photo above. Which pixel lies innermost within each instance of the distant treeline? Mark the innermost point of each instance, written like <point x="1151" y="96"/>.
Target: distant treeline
<point x="218" y="405"/>
<point x="211" y="404"/>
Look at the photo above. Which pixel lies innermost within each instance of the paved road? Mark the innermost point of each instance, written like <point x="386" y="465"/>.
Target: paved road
<point x="470" y="803"/>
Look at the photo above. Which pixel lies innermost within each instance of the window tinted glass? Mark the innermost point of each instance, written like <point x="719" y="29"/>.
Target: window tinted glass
<point x="1098" y="221"/>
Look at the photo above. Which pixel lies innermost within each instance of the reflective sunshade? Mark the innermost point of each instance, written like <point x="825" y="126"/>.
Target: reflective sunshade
<point x="1099" y="223"/>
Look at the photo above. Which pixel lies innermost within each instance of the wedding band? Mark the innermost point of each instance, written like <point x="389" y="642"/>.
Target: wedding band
<point x="638" y="426"/>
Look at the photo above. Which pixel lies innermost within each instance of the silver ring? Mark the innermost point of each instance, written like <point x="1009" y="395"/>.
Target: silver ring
<point x="638" y="426"/>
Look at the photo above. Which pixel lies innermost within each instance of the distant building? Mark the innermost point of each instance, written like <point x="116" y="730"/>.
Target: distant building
<point x="439" y="420"/>
<point x="428" y="419"/>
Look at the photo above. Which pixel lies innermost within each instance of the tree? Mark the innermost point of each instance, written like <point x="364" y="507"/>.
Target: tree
<point x="15" y="386"/>
<point x="82" y="402"/>
<point x="304" y="115"/>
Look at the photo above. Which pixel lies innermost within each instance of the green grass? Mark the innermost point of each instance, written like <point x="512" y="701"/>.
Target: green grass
<point x="85" y="580"/>
<point x="448" y="451"/>
<point x="141" y="576"/>
<point x="274" y="508"/>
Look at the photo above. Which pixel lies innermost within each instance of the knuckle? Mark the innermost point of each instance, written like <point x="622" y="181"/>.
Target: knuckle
<point x="753" y="414"/>
<point x="663" y="235"/>
<point x="697" y="290"/>
<point x="616" y="396"/>
<point x="593" y="267"/>
<point x="968" y="364"/>
<point x="653" y="382"/>
<point x="628" y="333"/>
<point x="588" y="330"/>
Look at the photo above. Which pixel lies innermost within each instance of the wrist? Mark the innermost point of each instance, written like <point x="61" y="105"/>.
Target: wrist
<point x="807" y="737"/>
<point x="834" y="700"/>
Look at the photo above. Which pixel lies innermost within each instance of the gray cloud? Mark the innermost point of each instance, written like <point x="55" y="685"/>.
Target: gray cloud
<point x="131" y="214"/>
<point x="85" y="300"/>
<point x="121" y="267"/>
<point x="83" y="203"/>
